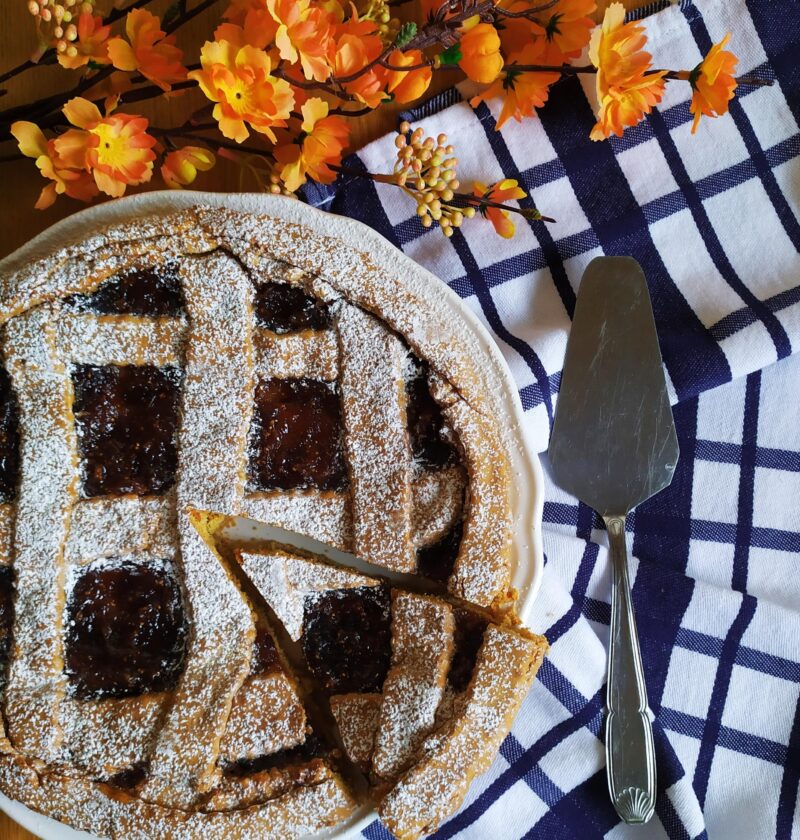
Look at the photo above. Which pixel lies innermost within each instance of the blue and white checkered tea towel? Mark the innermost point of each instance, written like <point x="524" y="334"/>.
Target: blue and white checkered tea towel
<point x="713" y="220"/>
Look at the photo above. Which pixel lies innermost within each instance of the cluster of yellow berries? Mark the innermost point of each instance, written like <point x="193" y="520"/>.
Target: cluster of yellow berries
<point x="378" y="10"/>
<point x="56" y="21"/>
<point x="426" y="170"/>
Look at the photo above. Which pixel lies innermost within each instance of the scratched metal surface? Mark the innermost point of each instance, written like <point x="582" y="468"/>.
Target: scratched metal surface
<point x="613" y="443"/>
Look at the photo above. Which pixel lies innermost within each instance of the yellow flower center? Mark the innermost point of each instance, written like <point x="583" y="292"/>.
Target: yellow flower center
<point x="112" y="150"/>
<point x="238" y="96"/>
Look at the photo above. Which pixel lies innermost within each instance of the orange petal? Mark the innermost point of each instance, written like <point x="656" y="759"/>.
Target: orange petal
<point x="30" y="139"/>
<point x="82" y="113"/>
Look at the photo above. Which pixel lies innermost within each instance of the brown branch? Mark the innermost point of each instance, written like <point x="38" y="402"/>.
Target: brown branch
<point x="458" y="200"/>
<point x="197" y="10"/>
<point x="526" y="13"/>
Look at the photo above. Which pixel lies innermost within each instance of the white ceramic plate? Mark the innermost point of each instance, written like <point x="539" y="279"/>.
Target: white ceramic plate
<point x="527" y="484"/>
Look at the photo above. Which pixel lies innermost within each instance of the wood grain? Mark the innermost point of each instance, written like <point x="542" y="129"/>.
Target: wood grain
<point x="21" y="183"/>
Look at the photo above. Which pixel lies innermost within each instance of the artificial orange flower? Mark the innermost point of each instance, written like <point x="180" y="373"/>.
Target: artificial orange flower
<point x="522" y="92"/>
<point x="238" y="79"/>
<point x="407" y="85"/>
<point x="91" y="43"/>
<point x="180" y="167"/>
<point x="304" y="33"/>
<point x="626" y="90"/>
<point x="238" y="10"/>
<point x="117" y="149"/>
<point x="480" y="52"/>
<point x="505" y="190"/>
<point x="258" y="30"/>
<point x="150" y="51"/>
<point x="324" y="141"/>
<point x="76" y="183"/>
<point x="357" y="44"/>
<point x="568" y="25"/>
<point x="713" y="83"/>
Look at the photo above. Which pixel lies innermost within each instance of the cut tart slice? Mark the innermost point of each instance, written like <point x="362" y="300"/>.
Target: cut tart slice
<point x="422" y="687"/>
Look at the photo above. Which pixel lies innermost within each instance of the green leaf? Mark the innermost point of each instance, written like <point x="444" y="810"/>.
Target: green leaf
<point x="93" y="65"/>
<point x="406" y="33"/>
<point x="452" y="55"/>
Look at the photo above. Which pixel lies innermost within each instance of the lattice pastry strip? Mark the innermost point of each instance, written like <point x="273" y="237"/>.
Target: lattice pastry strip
<point x="321" y="514"/>
<point x="357" y="716"/>
<point x="7" y="517"/>
<point x="310" y="354"/>
<point x="430" y="791"/>
<point x="88" y="338"/>
<point x="116" y="526"/>
<point x="378" y="455"/>
<point x="47" y="489"/>
<point x="422" y="647"/>
<point x="481" y="571"/>
<point x="217" y="403"/>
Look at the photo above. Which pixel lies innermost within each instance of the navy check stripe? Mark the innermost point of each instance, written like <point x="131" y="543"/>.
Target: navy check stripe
<point x="712" y="725"/>
<point x="765" y="456"/>
<point x="747" y="657"/>
<point x="606" y="198"/>
<point x="711" y="239"/>
<point x="747" y="473"/>
<point x="537" y="780"/>
<point x="591" y="711"/>
<point x="540" y="230"/>
<point x="727" y="736"/>
<point x="492" y="316"/>
<point x="782" y="209"/>
<point x="741" y="318"/>
<point x="790" y="782"/>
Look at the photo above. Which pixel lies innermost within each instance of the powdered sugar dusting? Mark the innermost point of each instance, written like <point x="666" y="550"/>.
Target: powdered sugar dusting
<point x="376" y="441"/>
<point x="267" y="716"/>
<point x="217" y="403"/>
<point x="357" y="717"/>
<point x="434" y="787"/>
<point x="422" y="646"/>
<point x="7" y="516"/>
<point x="438" y="497"/>
<point x="47" y="490"/>
<point x="323" y="515"/>
<point x="313" y="354"/>
<point x="113" y="526"/>
<point x="120" y="339"/>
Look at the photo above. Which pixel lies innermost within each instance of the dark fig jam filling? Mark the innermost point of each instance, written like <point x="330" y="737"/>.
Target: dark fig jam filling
<point x="436" y="561"/>
<point x="347" y="638"/>
<point x="152" y="292"/>
<point x="469" y="631"/>
<point x="431" y="440"/>
<point x="6" y="617"/>
<point x="265" y="654"/>
<point x="9" y="439"/>
<point x="283" y="308"/>
<point x="313" y="747"/>
<point x="125" y="631"/>
<point x="129" y="779"/>
<point x="296" y="437"/>
<point x="126" y="418"/>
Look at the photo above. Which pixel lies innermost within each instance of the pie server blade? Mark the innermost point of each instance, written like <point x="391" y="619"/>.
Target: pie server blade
<point x="613" y="446"/>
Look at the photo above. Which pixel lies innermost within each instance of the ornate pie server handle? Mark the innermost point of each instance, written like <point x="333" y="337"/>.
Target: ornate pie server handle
<point x="630" y="753"/>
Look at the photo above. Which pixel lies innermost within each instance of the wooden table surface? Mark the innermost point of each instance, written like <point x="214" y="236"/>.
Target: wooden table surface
<point x="19" y="221"/>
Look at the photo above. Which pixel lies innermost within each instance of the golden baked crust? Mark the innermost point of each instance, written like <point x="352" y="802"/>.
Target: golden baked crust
<point x="62" y="753"/>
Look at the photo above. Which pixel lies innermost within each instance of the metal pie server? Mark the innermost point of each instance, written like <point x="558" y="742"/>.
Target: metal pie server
<point x="613" y="446"/>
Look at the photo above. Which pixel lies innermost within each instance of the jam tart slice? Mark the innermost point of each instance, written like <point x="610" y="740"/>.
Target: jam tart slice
<point x="423" y="689"/>
<point x="246" y="365"/>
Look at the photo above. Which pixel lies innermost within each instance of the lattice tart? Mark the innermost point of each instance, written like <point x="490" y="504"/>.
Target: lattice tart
<point x="158" y="682"/>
